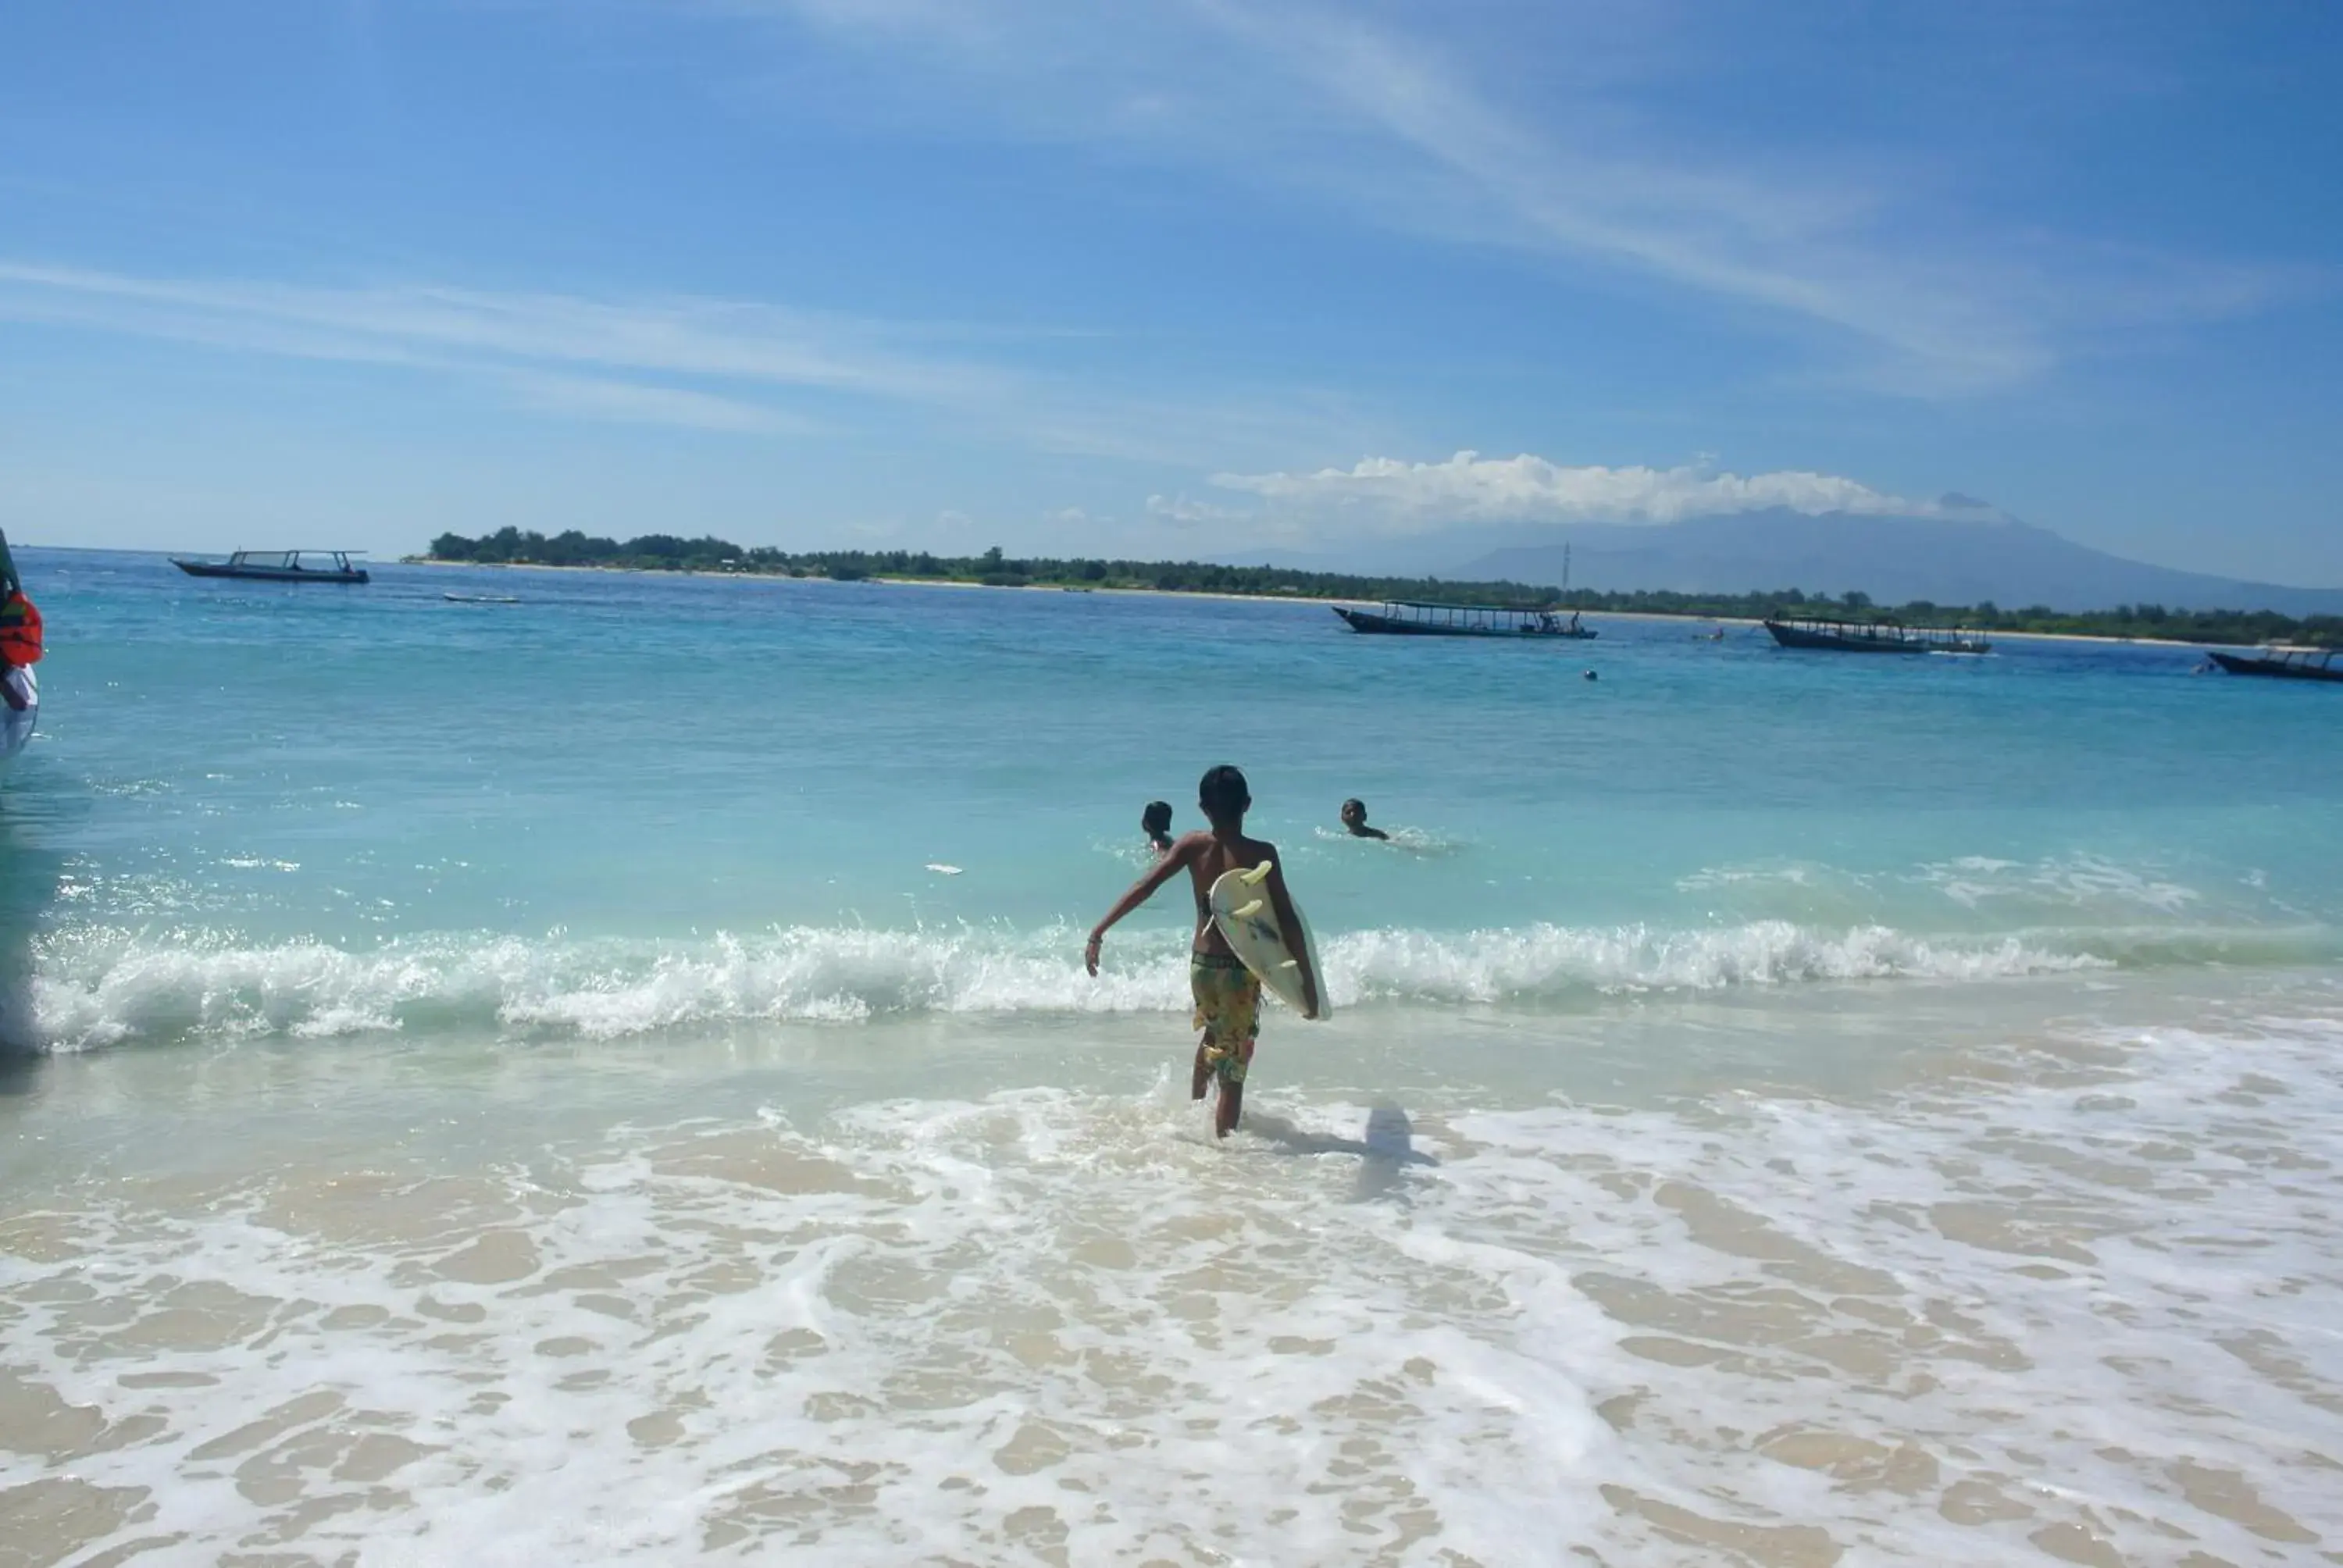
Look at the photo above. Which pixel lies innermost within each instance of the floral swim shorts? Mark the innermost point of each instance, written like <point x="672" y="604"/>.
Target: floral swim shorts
<point x="1228" y="1009"/>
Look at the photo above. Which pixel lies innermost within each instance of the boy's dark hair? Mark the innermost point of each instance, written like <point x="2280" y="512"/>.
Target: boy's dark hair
<point x="1222" y="794"/>
<point x="1157" y="817"/>
<point x="1354" y="800"/>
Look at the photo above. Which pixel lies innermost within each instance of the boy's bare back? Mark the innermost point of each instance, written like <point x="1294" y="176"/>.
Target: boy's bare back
<point x="1208" y="858"/>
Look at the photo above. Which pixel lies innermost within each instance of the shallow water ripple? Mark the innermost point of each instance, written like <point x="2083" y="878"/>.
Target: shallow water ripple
<point x="2068" y="1300"/>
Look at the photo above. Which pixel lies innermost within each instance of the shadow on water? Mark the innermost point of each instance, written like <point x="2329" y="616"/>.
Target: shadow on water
<point x="29" y="874"/>
<point x="1385" y="1147"/>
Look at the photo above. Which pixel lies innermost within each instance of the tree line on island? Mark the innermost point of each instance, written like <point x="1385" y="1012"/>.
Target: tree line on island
<point x="668" y="552"/>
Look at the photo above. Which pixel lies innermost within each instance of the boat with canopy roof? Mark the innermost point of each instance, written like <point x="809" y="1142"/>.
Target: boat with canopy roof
<point x="1413" y="618"/>
<point x="2283" y="660"/>
<point x="1877" y="636"/>
<point x="281" y="566"/>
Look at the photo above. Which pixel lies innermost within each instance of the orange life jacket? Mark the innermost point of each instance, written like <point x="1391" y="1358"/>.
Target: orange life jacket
<point x="20" y="631"/>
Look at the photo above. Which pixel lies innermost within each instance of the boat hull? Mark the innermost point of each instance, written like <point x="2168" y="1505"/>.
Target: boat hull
<point x="2240" y="664"/>
<point x="1375" y="625"/>
<point x="1799" y="637"/>
<point x="16" y="724"/>
<point x="268" y="574"/>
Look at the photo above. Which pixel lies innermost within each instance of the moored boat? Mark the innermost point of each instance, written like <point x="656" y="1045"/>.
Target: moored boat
<point x="17" y="687"/>
<point x="2282" y="661"/>
<point x="280" y="567"/>
<point x="1872" y="636"/>
<point x="20" y="648"/>
<point x="1413" y="618"/>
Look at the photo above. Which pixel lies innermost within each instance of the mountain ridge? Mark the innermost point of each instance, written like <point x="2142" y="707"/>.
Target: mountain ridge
<point x="1893" y="559"/>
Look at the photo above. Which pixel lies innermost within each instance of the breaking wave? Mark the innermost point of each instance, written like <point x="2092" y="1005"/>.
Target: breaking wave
<point x="97" y="987"/>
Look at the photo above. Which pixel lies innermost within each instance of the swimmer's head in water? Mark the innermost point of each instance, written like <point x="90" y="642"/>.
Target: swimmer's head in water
<point x="1354" y="811"/>
<point x="1222" y="795"/>
<point x="1156" y="820"/>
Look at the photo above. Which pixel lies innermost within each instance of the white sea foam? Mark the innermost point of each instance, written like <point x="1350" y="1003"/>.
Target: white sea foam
<point x="1553" y="960"/>
<point x="2076" y="1304"/>
<point x="94" y="986"/>
<point x="2064" y="881"/>
<point x="1420" y="842"/>
<point x="1771" y="874"/>
<point x="2064" y="884"/>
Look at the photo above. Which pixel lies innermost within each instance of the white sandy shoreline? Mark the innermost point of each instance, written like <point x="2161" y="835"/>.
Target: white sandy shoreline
<point x="885" y="581"/>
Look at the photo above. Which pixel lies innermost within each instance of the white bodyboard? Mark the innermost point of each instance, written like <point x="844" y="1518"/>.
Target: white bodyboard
<point x="1246" y="920"/>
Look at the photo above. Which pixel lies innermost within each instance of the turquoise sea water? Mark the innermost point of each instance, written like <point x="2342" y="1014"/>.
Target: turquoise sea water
<point x="629" y="803"/>
<point x="509" y="1083"/>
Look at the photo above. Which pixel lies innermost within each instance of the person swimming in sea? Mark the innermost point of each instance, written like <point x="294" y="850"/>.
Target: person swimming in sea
<point x="1354" y="818"/>
<point x="1156" y="823"/>
<point x="1227" y="994"/>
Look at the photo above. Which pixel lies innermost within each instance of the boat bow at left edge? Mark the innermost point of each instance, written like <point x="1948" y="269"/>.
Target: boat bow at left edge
<point x="20" y="648"/>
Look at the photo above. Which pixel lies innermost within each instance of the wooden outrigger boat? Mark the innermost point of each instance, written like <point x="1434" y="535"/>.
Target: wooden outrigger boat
<point x="2284" y="661"/>
<point x="1411" y="618"/>
<point x="1872" y="636"/>
<point x="280" y="567"/>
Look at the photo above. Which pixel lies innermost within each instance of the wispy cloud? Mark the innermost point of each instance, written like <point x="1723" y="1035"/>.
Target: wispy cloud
<point x="1796" y="247"/>
<point x="1386" y="494"/>
<point x="492" y="332"/>
<point x="1181" y="512"/>
<point x="716" y="365"/>
<point x="1402" y="124"/>
<point x="634" y="402"/>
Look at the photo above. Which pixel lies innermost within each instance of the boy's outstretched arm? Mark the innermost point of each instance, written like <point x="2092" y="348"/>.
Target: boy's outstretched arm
<point x="1290" y="924"/>
<point x="1174" y="860"/>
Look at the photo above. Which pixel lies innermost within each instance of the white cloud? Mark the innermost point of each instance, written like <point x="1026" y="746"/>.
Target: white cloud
<point x="1397" y="496"/>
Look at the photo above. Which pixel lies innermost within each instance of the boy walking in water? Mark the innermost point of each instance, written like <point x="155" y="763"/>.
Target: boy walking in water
<point x="1227" y="996"/>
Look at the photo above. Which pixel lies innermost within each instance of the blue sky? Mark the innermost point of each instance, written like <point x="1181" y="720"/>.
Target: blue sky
<point x="1188" y="278"/>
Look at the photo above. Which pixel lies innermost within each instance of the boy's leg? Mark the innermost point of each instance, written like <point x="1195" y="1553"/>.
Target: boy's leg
<point x="1231" y="1101"/>
<point x="1200" y="992"/>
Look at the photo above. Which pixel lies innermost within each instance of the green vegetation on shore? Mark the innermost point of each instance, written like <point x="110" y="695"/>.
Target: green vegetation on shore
<point x="666" y="552"/>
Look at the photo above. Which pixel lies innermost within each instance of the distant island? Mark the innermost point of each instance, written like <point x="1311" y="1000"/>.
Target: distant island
<point x="668" y="552"/>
